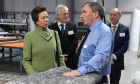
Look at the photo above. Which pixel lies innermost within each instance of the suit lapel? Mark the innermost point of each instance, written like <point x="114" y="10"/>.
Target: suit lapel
<point x="66" y="31"/>
<point x="109" y="25"/>
<point x="57" y="29"/>
<point x="118" y="31"/>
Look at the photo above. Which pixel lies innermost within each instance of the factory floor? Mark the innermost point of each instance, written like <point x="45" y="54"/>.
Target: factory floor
<point x="132" y="63"/>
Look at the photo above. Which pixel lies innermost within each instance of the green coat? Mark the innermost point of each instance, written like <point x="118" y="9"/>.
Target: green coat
<point x="39" y="51"/>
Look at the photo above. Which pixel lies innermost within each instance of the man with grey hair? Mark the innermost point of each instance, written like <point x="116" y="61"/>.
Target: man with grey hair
<point x="121" y="34"/>
<point x="68" y="35"/>
<point x="96" y="47"/>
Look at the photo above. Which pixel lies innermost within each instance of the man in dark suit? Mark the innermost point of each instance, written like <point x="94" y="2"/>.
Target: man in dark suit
<point x="121" y="40"/>
<point x="68" y="35"/>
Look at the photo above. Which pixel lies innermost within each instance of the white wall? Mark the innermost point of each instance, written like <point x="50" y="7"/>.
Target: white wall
<point x="126" y="6"/>
<point x="15" y="5"/>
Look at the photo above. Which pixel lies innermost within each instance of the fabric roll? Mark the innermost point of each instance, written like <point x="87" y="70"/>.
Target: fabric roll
<point x="54" y="76"/>
<point x="2" y="20"/>
<point x="31" y="24"/>
<point x="7" y="20"/>
<point x="134" y="31"/>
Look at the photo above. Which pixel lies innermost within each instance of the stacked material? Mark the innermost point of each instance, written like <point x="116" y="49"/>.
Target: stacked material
<point x="12" y="21"/>
<point x="54" y="76"/>
<point x="3" y="33"/>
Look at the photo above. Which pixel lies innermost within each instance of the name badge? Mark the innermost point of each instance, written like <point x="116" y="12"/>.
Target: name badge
<point x="122" y="34"/>
<point x="85" y="46"/>
<point x="70" y="32"/>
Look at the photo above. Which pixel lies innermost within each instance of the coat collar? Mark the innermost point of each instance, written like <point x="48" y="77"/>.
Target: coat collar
<point x="44" y="34"/>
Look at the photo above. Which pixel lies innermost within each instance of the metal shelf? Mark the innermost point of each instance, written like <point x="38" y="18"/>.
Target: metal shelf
<point x="13" y="23"/>
<point x="82" y="27"/>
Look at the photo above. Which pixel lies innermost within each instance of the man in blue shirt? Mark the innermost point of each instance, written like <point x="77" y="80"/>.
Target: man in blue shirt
<point x="97" y="49"/>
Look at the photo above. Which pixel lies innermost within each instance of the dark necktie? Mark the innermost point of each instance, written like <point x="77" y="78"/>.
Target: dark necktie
<point x="82" y="43"/>
<point x="62" y="29"/>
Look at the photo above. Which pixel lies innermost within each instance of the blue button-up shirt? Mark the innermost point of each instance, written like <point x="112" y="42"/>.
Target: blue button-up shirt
<point x="97" y="50"/>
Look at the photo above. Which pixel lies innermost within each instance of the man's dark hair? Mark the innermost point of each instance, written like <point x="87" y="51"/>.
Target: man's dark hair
<point x="96" y="6"/>
<point x="36" y="11"/>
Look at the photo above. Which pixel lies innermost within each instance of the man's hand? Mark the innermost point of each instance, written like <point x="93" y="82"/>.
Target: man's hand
<point x="72" y="73"/>
<point x="65" y="59"/>
<point x="112" y="56"/>
<point x="112" y="62"/>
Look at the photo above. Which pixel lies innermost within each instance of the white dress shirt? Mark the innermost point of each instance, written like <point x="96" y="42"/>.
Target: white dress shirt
<point x="60" y="26"/>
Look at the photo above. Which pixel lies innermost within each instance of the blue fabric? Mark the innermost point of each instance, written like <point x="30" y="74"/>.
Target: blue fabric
<point x="97" y="50"/>
<point x="62" y="30"/>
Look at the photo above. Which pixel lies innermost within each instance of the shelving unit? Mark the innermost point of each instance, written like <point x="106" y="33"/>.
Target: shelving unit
<point x="81" y="31"/>
<point x="5" y="16"/>
<point x="13" y="23"/>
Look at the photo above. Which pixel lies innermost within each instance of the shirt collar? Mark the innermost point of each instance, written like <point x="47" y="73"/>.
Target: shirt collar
<point x="94" y="26"/>
<point x="114" y="25"/>
<point x="60" y="23"/>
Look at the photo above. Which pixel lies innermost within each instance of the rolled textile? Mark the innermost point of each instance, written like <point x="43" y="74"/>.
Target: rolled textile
<point x="7" y="20"/>
<point x="31" y="24"/>
<point x="134" y="31"/>
<point x="2" y="20"/>
<point x="54" y="76"/>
